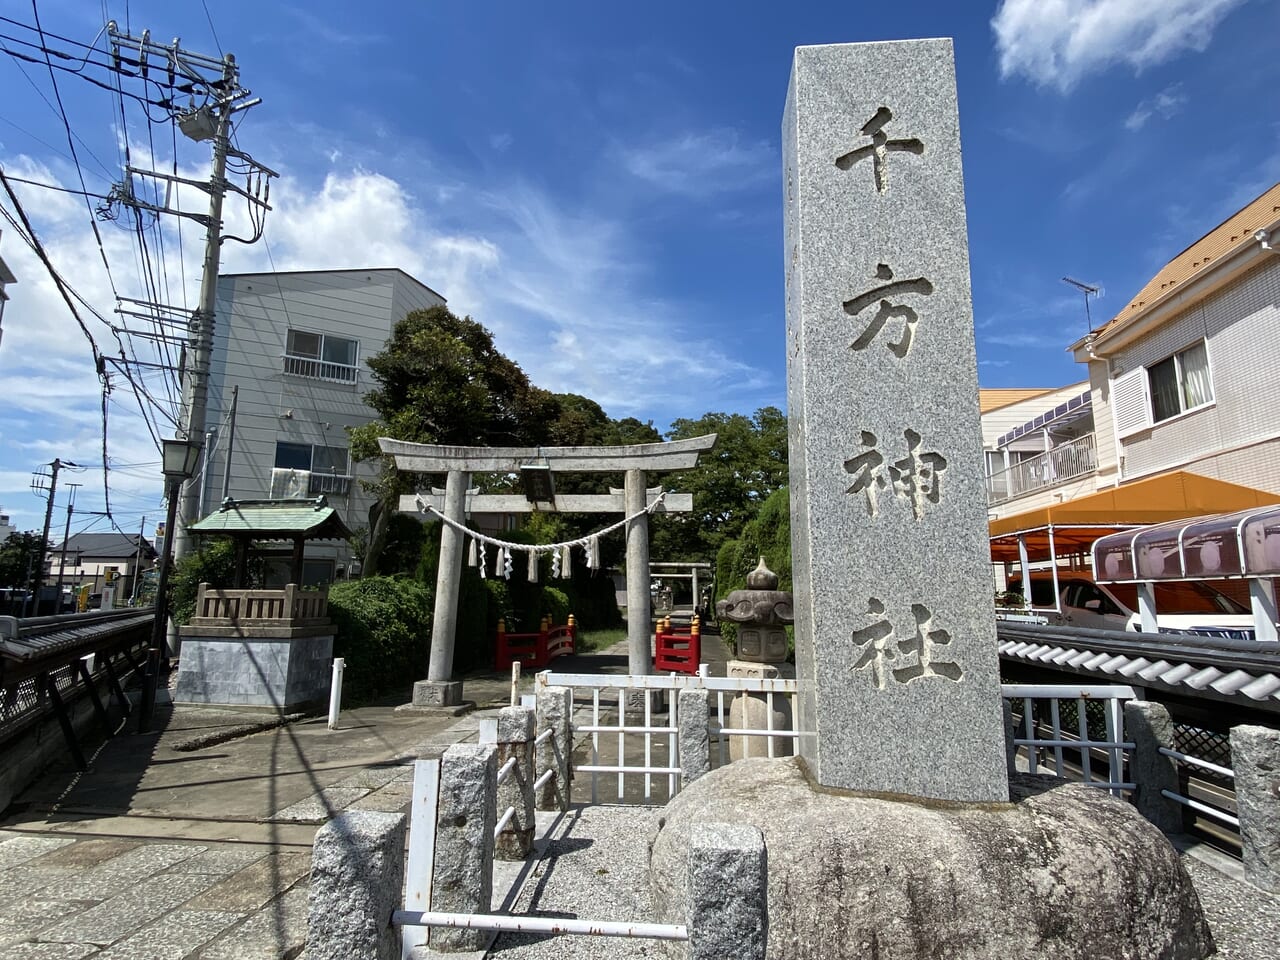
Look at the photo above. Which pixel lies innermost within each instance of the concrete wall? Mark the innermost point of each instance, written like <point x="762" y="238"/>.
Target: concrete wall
<point x="254" y="671"/>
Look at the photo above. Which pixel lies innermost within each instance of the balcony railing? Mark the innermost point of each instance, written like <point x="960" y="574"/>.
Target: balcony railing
<point x="1077" y="458"/>
<point x="289" y="484"/>
<point x="328" y="483"/>
<point x="320" y="369"/>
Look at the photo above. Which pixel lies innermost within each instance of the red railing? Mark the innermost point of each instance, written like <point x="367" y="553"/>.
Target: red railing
<point x="535" y="649"/>
<point x="679" y="652"/>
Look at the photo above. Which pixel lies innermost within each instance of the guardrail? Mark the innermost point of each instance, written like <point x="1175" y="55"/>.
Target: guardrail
<point x="48" y="663"/>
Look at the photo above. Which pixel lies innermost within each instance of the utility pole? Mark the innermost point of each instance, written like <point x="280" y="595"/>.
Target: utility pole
<point x="217" y="82"/>
<point x="137" y="565"/>
<point x="37" y="486"/>
<point x="66" y="533"/>
<point x="231" y="438"/>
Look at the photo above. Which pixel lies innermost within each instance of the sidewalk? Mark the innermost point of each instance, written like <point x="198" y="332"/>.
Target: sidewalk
<point x="174" y="845"/>
<point x="193" y="842"/>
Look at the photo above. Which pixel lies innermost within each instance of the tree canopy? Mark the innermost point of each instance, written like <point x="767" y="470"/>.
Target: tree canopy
<point x="730" y="483"/>
<point x="440" y="379"/>
<point x="20" y="557"/>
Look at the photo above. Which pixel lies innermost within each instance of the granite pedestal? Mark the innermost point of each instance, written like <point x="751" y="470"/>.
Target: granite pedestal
<point x="260" y="666"/>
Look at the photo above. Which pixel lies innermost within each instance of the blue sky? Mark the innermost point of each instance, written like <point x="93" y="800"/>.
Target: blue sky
<point x="599" y="184"/>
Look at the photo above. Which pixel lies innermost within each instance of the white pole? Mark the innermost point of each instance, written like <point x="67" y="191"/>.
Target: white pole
<point x="422" y="850"/>
<point x="335" y="692"/>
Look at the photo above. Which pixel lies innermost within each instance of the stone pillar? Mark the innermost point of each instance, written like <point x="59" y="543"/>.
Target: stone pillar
<point x="1150" y="727"/>
<point x="462" y="879"/>
<point x="555" y="713"/>
<point x="728" y="909"/>
<point x="895" y="641"/>
<point x="357" y="870"/>
<point x="750" y="711"/>
<point x="515" y="740"/>
<point x="693" y="740"/>
<point x="438" y="690"/>
<point x="639" y="635"/>
<point x="1010" y="735"/>
<point x="1255" y="757"/>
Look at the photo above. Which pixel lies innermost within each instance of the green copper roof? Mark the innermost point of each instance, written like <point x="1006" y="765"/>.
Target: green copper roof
<point x="275" y="520"/>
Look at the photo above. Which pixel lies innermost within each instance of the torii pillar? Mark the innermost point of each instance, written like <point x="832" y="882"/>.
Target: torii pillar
<point x="458" y="463"/>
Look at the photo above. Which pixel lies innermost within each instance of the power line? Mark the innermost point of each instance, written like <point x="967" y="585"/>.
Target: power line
<point x="35" y="244"/>
<point x="62" y="112"/>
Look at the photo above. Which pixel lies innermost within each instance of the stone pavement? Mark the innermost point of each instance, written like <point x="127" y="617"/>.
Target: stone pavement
<point x="194" y="841"/>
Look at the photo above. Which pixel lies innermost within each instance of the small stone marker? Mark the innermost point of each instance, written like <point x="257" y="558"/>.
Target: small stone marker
<point x="895" y="636"/>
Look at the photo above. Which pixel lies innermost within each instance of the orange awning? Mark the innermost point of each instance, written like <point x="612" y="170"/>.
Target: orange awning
<point x="1075" y="524"/>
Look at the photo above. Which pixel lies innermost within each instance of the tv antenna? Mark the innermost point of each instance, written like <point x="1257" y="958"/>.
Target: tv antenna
<point x="1089" y="291"/>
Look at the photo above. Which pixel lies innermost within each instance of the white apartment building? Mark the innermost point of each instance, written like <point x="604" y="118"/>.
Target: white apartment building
<point x="1185" y="378"/>
<point x="292" y="347"/>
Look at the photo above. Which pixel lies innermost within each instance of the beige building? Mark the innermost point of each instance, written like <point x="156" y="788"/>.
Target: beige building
<point x="1185" y="378"/>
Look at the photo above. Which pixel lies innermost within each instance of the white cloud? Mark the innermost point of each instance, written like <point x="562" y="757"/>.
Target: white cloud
<point x="699" y="164"/>
<point x="1055" y="43"/>
<point x="566" y="292"/>
<point x="1165" y="104"/>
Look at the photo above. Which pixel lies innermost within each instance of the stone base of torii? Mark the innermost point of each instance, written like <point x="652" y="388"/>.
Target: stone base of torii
<point x="459" y="463"/>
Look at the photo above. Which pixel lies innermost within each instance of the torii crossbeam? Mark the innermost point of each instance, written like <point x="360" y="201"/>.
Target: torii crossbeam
<point x="458" y="463"/>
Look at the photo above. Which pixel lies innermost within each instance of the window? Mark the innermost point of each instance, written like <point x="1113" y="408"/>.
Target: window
<point x="1148" y="395"/>
<point x="304" y="456"/>
<point x="321" y="357"/>
<point x="293" y="456"/>
<point x="1180" y="383"/>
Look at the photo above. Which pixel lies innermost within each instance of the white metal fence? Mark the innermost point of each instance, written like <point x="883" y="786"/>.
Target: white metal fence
<point x="1072" y="731"/>
<point x="609" y="696"/>
<point x="1196" y="763"/>
<point x="1065" y="742"/>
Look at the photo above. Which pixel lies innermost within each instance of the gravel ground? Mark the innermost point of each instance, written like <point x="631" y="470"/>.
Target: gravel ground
<point x="597" y="871"/>
<point x="1245" y="921"/>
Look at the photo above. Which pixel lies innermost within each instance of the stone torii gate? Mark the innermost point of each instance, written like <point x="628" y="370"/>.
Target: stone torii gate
<point x="459" y="463"/>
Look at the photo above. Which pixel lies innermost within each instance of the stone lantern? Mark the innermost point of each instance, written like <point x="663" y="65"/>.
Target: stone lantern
<point x="762" y="612"/>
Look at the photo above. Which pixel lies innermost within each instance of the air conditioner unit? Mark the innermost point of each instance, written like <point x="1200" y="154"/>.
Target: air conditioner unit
<point x="289" y="484"/>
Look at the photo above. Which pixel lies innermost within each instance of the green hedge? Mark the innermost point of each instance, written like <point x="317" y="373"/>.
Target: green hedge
<point x="383" y="633"/>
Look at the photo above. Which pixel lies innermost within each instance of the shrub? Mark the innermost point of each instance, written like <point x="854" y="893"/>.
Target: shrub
<point x="383" y="633"/>
<point x="214" y="563"/>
